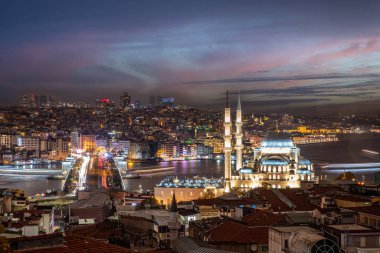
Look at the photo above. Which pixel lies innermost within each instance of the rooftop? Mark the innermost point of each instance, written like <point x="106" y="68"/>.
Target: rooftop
<point x="295" y="228"/>
<point x="303" y="161"/>
<point x="346" y="227"/>
<point x="73" y="244"/>
<point x="353" y="198"/>
<point x="187" y="245"/>
<point x="373" y="210"/>
<point x="273" y="161"/>
<point x="277" y="141"/>
<point x="233" y="232"/>
<point x="264" y="218"/>
<point x="228" y="202"/>
<point x="96" y="199"/>
<point x="195" y="182"/>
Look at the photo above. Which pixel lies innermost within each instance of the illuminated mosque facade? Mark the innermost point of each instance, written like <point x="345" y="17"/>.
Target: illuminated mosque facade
<point x="277" y="163"/>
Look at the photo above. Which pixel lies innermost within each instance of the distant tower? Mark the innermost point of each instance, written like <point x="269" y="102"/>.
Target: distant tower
<point x="125" y="100"/>
<point x="173" y="224"/>
<point x="173" y="207"/>
<point x="227" y="146"/>
<point x="239" y="137"/>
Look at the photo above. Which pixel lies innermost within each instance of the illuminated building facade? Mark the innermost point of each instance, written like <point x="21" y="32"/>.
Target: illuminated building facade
<point x="87" y="142"/>
<point x="103" y="103"/>
<point x="188" y="189"/>
<point x="277" y="163"/>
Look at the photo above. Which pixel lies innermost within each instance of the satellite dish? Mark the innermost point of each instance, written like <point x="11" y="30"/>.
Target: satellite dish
<point x="253" y="247"/>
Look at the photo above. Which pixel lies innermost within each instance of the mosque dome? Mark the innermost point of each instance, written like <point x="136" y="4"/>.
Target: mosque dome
<point x="277" y="141"/>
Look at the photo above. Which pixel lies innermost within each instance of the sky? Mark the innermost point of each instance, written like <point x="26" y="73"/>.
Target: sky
<point x="278" y="54"/>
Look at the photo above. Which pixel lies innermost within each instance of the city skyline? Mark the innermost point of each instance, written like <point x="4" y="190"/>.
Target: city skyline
<point x="190" y="126"/>
<point x="289" y="56"/>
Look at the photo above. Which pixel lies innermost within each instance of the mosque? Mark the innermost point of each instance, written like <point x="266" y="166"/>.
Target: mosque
<point x="277" y="163"/>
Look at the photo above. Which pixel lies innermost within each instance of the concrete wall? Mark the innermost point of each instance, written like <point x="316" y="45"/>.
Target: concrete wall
<point x="165" y="194"/>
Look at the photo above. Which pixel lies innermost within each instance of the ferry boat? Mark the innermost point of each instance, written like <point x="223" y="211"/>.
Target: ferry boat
<point x="149" y="170"/>
<point x="131" y="176"/>
<point x="56" y="177"/>
<point x="370" y="153"/>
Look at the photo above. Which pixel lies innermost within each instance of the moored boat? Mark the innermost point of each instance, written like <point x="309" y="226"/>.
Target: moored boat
<point x="131" y="176"/>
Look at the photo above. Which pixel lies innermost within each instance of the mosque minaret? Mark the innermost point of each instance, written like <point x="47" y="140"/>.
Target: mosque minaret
<point x="277" y="163"/>
<point x="239" y="137"/>
<point x="227" y="145"/>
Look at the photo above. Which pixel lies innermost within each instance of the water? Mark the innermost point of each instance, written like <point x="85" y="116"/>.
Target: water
<point x="189" y="168"/>
<point x="31" y="184"/>
<point x="346" y="151"/>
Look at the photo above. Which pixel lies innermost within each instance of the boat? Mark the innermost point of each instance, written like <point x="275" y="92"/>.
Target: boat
<point x="155" y="160"/>
<point x="370" y="153"/>
<point x="131" y="176"/>
<point x="8" y="170"/>
<point x="153" y="170"/>
<point x="56" y="177"/>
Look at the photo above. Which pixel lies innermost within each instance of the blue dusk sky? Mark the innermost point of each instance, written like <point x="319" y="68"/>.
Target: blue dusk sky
<point x="279" y="54"/>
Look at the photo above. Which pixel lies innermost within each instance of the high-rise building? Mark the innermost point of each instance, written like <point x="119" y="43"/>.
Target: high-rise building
<point x="87" y="142"/>
<point x="31" y="143"/>
<point x="27" y="101"/>
<point x="75" y="142"/>
<point x="41" y="100"/>
<point x="61" y="148"/>
<point x="159" y="100"/>
<point x="104" y="103"/>
<point x="167" y="101"/>
<point x="8" y="141"/>
<point x="51" y="101"/>
<point x="152" y="101"/>
<point x="125" y="100"/>
<point x="137" y="104"/>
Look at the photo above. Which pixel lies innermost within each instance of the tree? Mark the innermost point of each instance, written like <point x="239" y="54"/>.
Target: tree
<point x="4" y="244"/>
<point x="152" y="201"/>
<point x="345" y="176"/>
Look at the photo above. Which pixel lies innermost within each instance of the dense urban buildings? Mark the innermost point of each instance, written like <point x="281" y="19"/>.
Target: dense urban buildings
<point x="190" y="126"/>
<point x="266" y="189"/>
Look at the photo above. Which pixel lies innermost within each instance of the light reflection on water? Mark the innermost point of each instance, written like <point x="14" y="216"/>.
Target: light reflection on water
<point x="215" y="169"/>
<point x="31" y="184"/>
<point x="346" y="151"/>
